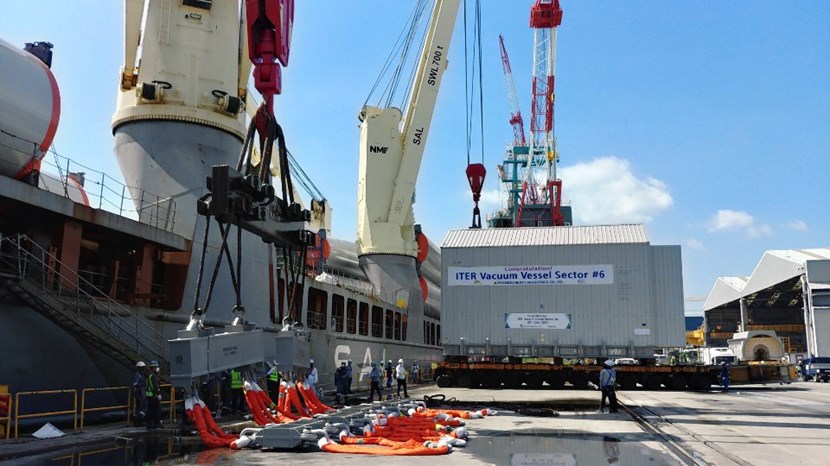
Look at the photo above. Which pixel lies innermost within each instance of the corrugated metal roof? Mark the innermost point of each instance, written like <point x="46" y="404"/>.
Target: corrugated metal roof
<point x="546" y="236"/>
<point x="776" y="266"/>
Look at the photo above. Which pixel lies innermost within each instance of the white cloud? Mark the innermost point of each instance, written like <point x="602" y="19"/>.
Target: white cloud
<point x="605" y="191"/>
<point x="491" y="199"/>
<point x="692" y="243"/>
<point x="733" y="220"/>
<point x="798" y="225"/>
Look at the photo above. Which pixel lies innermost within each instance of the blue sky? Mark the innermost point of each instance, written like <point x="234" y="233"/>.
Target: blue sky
<point x="708" y="121"/>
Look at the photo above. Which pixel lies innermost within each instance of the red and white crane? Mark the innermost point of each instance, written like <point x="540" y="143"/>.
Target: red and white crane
<point x="541" y="199"/>
<point x="516" y="120"/>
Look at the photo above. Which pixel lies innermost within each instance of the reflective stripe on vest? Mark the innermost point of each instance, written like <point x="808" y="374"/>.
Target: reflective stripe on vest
<point x="151" y="386"/>
<point x="236" y="379"/>
<point x="274" y="376"/>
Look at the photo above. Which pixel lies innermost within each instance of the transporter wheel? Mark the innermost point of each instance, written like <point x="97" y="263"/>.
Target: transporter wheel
<point x="579" y="380"/>
<point x="556" y="380"/>
<point x="490" y="381"/>
<point x="699" y="382"/>
<point x="534" y="381"/>
<point x="627" y="381"/>
<point x="444" y="381"/>
<point x="652" y="382"/>
<point x="512" y="381"/>
<point x="465" y="380"/>
<point x="677" y="382"/>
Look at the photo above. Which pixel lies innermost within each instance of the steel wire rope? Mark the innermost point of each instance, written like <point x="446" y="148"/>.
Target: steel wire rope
<point x="469" y="82"/>
<point x="410" y="40"/>
<point x="201" y="264"/>
<point x="402" y="42"/>
<point x="216" y="268"/>
<point x="414" y="65"/>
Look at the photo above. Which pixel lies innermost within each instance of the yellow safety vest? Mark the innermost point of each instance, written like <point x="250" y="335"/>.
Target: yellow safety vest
<point x="151" y="385"/>
<point x="236" y="379"/>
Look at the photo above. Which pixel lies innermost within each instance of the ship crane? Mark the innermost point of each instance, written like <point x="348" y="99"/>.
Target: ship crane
<point x="541" y="198"/>
<point x="392" y="144"/>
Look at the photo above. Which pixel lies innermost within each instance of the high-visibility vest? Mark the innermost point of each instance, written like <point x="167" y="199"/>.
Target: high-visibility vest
<point x="151" y="386"/>
<point x="274" y="376"/>
<point x="236" y="379"/>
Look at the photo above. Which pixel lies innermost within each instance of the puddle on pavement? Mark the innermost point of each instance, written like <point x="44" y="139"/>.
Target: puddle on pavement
<point x="537" y="448"/>
<point x="151" y="449"/>
<point x="525" y="446"/>
<point x="531" y="447"/>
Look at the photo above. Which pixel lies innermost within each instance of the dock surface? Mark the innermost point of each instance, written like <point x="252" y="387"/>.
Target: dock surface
<point x="750" y="425"/>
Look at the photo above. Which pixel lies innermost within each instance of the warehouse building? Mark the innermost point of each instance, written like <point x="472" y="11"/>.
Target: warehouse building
<point x="570" y="291"/>
<point x="788" y="292"/>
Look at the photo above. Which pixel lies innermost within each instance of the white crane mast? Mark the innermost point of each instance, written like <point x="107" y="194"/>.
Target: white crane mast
<point x="391" y="150"/>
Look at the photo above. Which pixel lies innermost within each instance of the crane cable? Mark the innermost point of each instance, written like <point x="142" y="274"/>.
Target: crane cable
<point x="401" y="49"/>
<point x="469" y="82"/>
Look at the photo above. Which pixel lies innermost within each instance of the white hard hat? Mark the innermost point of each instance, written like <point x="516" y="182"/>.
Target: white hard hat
<point x="311" y="361"/>
<point x="140" y="364"/>
<point x="400" y="361"/>
<point x="609" y="362"/>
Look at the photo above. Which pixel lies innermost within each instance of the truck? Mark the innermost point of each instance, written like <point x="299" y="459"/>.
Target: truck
<point x="816" y="368"/>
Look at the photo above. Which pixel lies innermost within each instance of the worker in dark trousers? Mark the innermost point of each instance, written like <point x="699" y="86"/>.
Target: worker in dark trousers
<point x="375" y="377"/>
<point x="349" y="378"/>
<point x="607" y="383"/>
<point x="273" y="381"/>
<point x="400" y="375"/>
<point x="340" y="381"/>
<point x="724" y="376"/>
<point x="153" y="395"/>
<point x="237" y="395"/>
<point x="389" y="371"/>
<point x="139" y="388"/>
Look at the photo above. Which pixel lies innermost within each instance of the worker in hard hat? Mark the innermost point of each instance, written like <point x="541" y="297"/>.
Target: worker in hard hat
<point x="607" y="383"/>
<point x="153" y="395"/>
<point x="349" y="377"/>
<point x="340" y="381"/>
<point x="311" y="378"/>
<point x="139" y="386"/>
<point x="400" y="376"/>
<point x="374" y="377"/>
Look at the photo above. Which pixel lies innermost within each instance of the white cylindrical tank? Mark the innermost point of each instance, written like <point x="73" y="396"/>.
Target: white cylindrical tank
<point x="30" y="107"/>
<point x="756" y="345"/>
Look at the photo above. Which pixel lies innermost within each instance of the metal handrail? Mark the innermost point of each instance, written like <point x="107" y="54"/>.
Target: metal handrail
<point x="85" y="410"/>
<point x="18" y="416"/>
<point x="116" y="326"/>
<point x="103" y="192"/>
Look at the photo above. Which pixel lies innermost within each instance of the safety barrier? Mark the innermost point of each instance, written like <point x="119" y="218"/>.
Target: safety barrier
<point x="125" y="407"/>
<point x="18" y="416"/>
<point x="171" y="403"/>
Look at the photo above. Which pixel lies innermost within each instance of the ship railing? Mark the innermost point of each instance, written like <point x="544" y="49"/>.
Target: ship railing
<point x="69" y="397"/>
<point x="98" y="190"/>
<point x="91" y="407"/>
<point x="73" y="411"/>
<point x="96" y="308"/>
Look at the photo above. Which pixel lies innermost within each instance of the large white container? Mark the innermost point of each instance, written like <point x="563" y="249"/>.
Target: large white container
<point x="30" y="107"/>
<point x="571" y="291"/>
